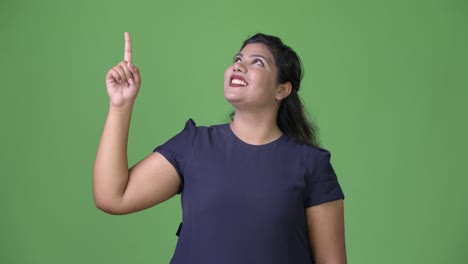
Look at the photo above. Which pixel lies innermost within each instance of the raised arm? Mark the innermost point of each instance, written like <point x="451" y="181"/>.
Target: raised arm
<point x="118" y="189"/>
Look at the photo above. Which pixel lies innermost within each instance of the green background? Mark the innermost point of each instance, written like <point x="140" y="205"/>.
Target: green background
<point x="386" y="81"/>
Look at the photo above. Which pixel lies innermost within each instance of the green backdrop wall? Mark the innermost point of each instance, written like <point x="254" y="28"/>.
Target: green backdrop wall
<point x="385" y="80"/>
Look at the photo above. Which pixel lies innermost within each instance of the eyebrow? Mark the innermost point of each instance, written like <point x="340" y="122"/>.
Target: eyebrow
<point x="255" y="56"/>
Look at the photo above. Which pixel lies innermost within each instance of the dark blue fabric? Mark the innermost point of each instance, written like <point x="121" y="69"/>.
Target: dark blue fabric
<point x="245" y="203"/>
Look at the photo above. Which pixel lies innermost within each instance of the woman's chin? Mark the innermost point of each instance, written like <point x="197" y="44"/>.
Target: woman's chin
<point x="233" y="100"/>
<point x="231" y="97"/>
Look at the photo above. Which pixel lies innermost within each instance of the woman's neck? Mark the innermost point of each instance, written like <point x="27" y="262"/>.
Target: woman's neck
<point x="255" y="128"/>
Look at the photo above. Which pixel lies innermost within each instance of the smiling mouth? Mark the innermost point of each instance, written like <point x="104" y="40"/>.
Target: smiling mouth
<point x="238" y="81"/>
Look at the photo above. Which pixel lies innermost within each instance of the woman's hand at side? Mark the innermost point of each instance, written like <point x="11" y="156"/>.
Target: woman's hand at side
<point x="325" y="223"/>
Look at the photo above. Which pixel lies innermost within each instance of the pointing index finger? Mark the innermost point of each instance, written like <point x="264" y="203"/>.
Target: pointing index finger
<point x="128" y="48"/>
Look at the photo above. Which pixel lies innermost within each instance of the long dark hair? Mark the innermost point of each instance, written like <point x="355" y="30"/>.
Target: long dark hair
<point x="292" y="118"/>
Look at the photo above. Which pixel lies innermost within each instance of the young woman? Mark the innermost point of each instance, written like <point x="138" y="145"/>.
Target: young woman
<point x="256" y="190"/>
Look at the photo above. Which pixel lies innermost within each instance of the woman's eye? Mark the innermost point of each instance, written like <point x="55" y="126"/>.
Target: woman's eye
<point x="259" y="62"/>
<point x="237" y="59"/>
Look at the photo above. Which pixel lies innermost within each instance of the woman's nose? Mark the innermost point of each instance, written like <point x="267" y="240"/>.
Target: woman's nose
<point x="238" y="66"/>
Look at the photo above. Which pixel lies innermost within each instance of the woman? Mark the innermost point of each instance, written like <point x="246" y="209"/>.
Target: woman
<point x="256" y="190"/>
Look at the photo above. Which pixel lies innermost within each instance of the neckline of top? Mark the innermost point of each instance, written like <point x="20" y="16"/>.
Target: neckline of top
<point x="271" y="143"/>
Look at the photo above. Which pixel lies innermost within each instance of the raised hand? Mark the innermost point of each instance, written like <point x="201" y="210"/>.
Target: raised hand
<point x="123" y="80"/>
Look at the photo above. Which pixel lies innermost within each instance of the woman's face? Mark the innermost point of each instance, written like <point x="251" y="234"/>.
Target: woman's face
<point x="251" y="81"/>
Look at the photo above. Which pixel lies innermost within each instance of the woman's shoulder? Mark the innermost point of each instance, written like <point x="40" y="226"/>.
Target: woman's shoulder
<point x="307" y="150"/>
<point x="191" y="125"/>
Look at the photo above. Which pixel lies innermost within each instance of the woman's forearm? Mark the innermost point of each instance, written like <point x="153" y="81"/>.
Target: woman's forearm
<point x="110" y="174"/>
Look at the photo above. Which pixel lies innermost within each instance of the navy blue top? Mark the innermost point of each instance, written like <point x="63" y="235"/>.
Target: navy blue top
<point x="245" y="203"/>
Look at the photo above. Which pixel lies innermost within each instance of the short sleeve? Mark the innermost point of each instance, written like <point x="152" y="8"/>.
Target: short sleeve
<point x="321" y="181"/>
<point x="177" y="149"/>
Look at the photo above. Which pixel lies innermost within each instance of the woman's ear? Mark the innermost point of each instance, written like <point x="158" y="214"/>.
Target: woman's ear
<point x="284" y="90"/>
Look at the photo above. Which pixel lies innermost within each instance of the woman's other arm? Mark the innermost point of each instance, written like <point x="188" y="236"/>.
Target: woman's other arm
<point x="326" y="232"/>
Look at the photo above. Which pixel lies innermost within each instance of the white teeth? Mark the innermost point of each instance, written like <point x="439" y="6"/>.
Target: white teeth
<point x="237" y="81"/>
